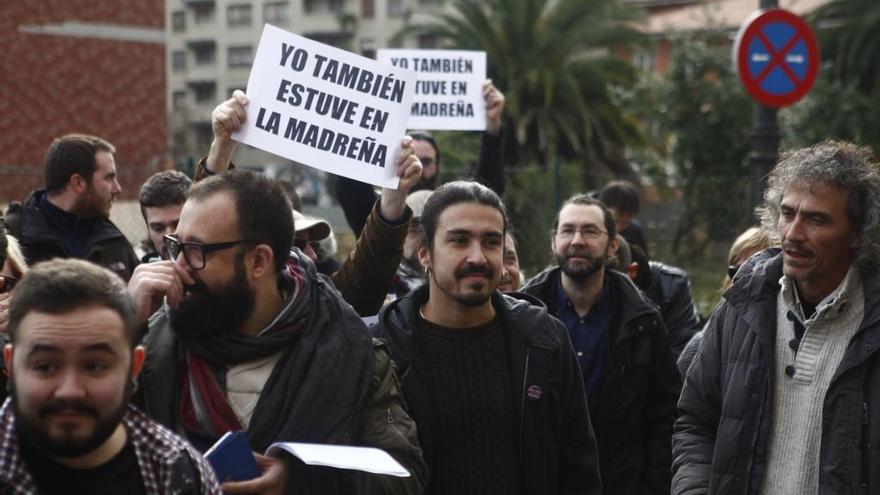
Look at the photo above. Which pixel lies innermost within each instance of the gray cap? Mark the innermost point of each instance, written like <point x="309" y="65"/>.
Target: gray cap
<point x="416" y="201"/>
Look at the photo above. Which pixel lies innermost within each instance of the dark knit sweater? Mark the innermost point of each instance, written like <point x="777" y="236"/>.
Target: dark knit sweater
<point x="469" y="376"/>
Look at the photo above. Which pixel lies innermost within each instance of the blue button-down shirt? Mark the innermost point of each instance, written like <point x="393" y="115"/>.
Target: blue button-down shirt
<point x="587" y="335"/>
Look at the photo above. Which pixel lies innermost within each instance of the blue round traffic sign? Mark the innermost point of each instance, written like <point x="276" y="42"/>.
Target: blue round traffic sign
<point x="777" y="57"/>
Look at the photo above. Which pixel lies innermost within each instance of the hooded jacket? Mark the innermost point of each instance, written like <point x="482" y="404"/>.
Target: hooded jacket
<point x="555" y="444"/>
<point x="42" y="240"/>
<point x="635" y="398"/>
<point x="721" y="436"/>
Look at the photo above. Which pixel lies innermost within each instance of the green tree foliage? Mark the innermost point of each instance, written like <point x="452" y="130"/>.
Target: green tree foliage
<point x="699" y="119"/>
<point x="554" y="62"/>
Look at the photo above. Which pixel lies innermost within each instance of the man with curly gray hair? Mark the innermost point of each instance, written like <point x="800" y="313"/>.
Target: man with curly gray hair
<point x="784" y="394"/>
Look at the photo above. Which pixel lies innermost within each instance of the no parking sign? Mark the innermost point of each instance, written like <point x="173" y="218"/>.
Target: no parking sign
<point x="777" y="57"/>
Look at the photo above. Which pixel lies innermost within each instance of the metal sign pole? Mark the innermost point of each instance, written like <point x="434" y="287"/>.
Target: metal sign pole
<point x="765" y="141"/>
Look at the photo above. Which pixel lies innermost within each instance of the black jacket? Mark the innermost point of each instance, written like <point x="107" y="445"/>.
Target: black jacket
<point x="40" y="241"/>
<point x="720" y="442"/>
<point x="331" y="384"/>
<point x="556" y="446"/>
<point x="636" y="396"/>
<point x="671" y="292"/>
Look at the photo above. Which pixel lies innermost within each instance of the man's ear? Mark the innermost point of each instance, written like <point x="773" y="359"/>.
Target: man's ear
<point x="7" y="359"/>
<point x="262" y="261"/>
<point x="613" y="244"/>
<point x="633" y="271"/>
<point x="138" y="355"/>
<point x="424" y="256"/>
<point x="78" y="184"/>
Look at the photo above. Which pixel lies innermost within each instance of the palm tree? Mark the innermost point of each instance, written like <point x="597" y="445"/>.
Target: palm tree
<point x="555" y="61"/>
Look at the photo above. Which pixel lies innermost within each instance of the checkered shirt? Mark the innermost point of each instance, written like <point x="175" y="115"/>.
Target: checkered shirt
<point x="158" y="450"/>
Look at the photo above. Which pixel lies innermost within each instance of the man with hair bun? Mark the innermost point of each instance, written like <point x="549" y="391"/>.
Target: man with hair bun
<point x="784" y="393"/>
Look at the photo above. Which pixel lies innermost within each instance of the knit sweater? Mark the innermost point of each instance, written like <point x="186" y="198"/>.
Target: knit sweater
<point x="469" y="378"/>
<point x="802" y="375"/>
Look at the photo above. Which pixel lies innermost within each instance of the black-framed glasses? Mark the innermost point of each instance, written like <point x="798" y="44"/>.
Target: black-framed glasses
<point x="8" y="283"/>
<point x="194" y="252"/>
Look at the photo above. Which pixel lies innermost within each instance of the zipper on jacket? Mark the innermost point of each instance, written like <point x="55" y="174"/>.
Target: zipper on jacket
<point x="866" y="447"/>
<point x="522" y="409"/>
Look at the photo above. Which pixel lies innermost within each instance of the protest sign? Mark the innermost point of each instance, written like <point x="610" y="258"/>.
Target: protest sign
<point x="326" y="107"/>
<point x="449" y="89"/>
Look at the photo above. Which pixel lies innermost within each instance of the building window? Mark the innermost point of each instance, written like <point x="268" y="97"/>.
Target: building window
<point x="240" y="56"/>
<point x="178" y="21"/>
<point x="178" y="100"/>
<point x="276" y="13"/>
<point x="395" y="8"/>
<point x="178" y="61"/>
<point x="335" y="6"/>
<point x="427" y="41"/>
<point x="205" y="93"/>
<point x="238" y="15"/>
<point x="203" y="13"/>
<point x="204" y="54"/>
<point x="430" y="2"/>
<point x="368" y="9"/>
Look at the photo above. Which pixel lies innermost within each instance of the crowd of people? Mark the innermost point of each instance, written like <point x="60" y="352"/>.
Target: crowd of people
<point x="596" y="375"/>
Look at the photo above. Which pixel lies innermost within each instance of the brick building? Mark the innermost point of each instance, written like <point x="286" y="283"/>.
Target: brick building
<point x="81" y="66"/>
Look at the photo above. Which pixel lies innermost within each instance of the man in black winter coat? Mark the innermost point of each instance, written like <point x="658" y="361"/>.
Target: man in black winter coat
<point x="70" y="217"/>
<point x="622" y="349"/>
<point x="782" y="396"/>
<point x="491" y="380"/>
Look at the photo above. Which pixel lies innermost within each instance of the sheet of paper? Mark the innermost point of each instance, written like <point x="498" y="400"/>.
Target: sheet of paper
<point x="449" y="89"/>
<point x="369" y="459"/>
<point x="326" y="107"/>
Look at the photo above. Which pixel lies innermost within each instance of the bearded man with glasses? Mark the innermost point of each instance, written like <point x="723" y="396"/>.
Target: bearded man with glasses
<point x="621" y="345"/>
<point x="247" y="336"/>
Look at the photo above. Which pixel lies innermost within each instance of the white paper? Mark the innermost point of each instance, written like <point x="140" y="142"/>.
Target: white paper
<point x="449" y="90"/>
<point x="369" y="459"/>
<point x="326" y="107"/>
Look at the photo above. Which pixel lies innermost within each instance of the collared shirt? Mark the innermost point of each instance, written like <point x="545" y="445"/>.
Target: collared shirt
<point x="159" y="453"/>
<point x="587" y="335"/>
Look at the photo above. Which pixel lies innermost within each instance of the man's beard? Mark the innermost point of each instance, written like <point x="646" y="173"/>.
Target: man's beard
<point x="210" y="313"/>
<point x="91" y="206"/>
<point x="472" y="299"/>
<point x="34" y="432"/>
<point x="580" y="273"/>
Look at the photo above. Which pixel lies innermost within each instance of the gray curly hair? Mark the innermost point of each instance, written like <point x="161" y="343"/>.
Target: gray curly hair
<point x="836" y="163"/>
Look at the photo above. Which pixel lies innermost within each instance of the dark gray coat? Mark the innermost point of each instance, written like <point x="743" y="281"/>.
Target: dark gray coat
<point x="720" y="439"/>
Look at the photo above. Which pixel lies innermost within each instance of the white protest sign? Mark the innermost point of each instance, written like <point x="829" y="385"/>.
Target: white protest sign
<point x="326" y="107"/>
<point x="449" y="90"/>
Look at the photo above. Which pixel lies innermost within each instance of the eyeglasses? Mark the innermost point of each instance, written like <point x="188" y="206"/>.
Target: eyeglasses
<point x="8" y="283"/>
<point x="194" y="252"/>
<point x="589" y="232"/>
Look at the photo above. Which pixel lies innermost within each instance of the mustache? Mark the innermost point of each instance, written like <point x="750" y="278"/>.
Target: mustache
<point x="58" y="406"/>
<point x="583" y="253"/>
<point x="474" y="270"/>
<point x="796" y="248"/>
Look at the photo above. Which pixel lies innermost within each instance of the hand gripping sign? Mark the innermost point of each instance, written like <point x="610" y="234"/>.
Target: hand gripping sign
<point x="327" y="108"/>
<point x="776" y="57"/>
